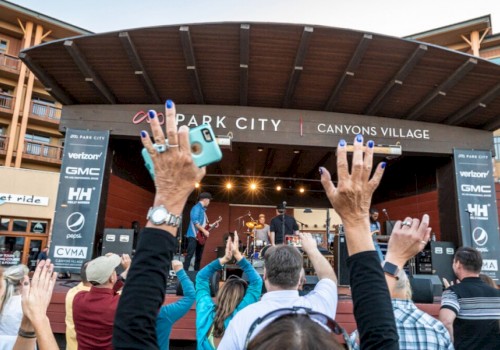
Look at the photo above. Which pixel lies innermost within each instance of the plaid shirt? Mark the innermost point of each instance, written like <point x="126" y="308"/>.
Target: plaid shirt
<point x="418" y="330"/>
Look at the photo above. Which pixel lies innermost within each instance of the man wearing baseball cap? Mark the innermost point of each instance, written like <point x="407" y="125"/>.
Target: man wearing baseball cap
<point x="94" y="311"/>
<point x="198" y="222"/>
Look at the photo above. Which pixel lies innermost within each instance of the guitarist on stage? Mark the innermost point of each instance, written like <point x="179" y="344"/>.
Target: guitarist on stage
<point x="198" y="222"/>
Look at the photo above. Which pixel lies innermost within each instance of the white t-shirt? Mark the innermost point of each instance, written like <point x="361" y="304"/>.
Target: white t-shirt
<point x="11" y="316"/>
<point x="323" y="298"/>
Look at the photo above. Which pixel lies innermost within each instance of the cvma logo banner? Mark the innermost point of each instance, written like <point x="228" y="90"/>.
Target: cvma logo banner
<point x="77" y="217"/>
<point x="477" y="205"/>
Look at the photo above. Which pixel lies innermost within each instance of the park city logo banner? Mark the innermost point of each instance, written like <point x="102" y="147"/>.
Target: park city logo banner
<point x="78" y="198"/>
<point x="477" y="206"/>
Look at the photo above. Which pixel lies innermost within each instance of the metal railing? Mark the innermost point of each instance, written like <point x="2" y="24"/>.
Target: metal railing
<point x="44" y="110"/>
<point x="4" y="140"/>
<point x="9" y="61"/>
<point x="6" y="101"/>
<point x="43" y="150"/>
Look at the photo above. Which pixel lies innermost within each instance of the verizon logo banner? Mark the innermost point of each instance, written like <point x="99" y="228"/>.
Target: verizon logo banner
<point x="477" y="206"/>
<point x="78" y="198"/>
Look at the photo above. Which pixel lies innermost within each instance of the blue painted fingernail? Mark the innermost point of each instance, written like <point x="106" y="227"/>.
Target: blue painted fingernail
<point x="169" y="104"/>
<point x="342" y="143"/>
<point x="151" y="114"/>
<point x="370" y="144"/>
<point x="143" y="134"/>
<point x="321" y="171"/>
<point x="382" y="165"/>
<point x="359" y="138"/>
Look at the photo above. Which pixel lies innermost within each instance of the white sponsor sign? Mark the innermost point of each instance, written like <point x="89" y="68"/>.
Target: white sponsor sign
<point x="25" y="199"/>
<point x="70" y="252"/>
<point x="490" y="265"/>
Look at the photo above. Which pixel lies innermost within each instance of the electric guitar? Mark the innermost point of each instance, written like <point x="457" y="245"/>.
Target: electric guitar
<point x="200" y="237"/>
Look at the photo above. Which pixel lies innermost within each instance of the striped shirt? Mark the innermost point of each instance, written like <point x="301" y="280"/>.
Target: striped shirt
<point x="418" y="330"/>
<point x="477" y="306"/>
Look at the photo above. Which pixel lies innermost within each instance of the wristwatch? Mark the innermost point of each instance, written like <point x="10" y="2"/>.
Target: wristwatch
<point x="160" y="215"/>
<point x="391" y="269"/>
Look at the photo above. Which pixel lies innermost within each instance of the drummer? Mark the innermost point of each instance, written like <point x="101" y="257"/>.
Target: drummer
<point x="262" y="231"/>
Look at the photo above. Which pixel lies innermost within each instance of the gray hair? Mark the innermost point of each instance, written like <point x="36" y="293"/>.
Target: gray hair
<point x="283" y="264"/>
<point x="13" y="277"/>
<point x="403" y="285"/>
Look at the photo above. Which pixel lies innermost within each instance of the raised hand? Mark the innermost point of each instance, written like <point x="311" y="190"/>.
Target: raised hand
<point x="236" y="247"/>
<point x="125" y="261"/>
<point x="309" y="244"/>
<point x="177" y="265"/>
<point x="228" y="255"/>
<point x="407" y="239"/>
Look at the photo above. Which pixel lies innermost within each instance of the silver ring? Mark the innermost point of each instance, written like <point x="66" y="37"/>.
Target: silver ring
<point x="406" y="223"/>
<point x="173" y="146"/>
<point x="423" y="242"/>
<point x="160" y="148"/>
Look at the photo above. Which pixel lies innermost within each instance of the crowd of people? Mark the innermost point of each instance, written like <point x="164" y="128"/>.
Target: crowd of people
<point x="126" y="311"/>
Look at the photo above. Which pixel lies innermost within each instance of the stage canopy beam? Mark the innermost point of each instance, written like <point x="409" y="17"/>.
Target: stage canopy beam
<point x="194" y="79"/>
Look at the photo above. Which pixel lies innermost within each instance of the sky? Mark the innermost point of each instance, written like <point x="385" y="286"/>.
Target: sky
<point x="389" y="17"/>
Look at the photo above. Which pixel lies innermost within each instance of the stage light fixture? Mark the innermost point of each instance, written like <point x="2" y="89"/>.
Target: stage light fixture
<point x="278" y="188"/>
<point x="197" y="185"/>
<point x="308" y="210"/>
<point x="260" y="149"/>
<point x="253" y="186"/>
<point x="302" y="190"/>
<point x="229" y="185"/>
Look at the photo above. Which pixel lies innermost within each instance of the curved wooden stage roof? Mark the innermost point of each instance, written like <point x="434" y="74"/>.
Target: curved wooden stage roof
<point x="273" y="65"/>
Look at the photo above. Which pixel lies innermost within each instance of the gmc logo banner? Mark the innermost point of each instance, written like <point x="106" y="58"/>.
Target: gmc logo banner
<point x="477" y="206"/>
<point x="78" y="198"/>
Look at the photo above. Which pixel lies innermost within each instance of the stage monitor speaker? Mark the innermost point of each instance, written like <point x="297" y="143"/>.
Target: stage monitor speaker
<point x="118" y="241"/>
<point x="442" y="254"/>
<point x="214" y="283"/>
<point x="421" y="290"/>
<point x="340" y="259"/>
<point x="435" y="281"/>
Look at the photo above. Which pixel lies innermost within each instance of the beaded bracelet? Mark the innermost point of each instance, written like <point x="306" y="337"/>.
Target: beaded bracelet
<point x="24" y="334"/>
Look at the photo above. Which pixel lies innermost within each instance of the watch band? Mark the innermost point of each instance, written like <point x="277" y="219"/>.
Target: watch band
<point x="392" y="269"/>
<point x="168" y="218"/>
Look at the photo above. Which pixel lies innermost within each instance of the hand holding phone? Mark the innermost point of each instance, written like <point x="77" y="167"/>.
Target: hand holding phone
<point x="204" y="148"/>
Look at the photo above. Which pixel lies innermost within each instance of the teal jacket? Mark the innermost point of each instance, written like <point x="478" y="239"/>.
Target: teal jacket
<point x="205" y="306"/>
<point x="171" y="313"/>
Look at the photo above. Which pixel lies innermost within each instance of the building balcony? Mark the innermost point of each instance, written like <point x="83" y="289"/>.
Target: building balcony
<point x="44" y="113"/>
<point x="42" y="152"/>
<point x="10" y="63"/>
<point x="6" y="103"/>
<point x="4" y="140"/>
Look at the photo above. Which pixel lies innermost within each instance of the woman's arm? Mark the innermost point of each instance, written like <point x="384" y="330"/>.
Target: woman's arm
<point x="254" y="289"/>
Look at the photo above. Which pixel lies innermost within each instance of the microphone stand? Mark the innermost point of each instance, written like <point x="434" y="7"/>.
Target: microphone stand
<point x="301" y="225"/>
<point x="388" y="223"/>
<point x="282" y="223"/>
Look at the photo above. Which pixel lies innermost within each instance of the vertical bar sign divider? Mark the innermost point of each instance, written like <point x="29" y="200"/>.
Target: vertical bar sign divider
<point x="477" y="206"/>
<point x="78" y="197"/>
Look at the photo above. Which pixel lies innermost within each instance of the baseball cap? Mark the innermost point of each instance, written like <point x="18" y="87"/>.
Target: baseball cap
<point x="99" y="269"/>
<point x="205" y="195"/>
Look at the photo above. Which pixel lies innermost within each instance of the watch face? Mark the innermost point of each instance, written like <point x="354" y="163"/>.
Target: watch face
<point x="391" y="269"/>
<point x="158" y="215"/>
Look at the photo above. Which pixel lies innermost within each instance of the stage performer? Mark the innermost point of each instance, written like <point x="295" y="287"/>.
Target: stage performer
<point x="291" y="228"/>
<point x="198" y="222"/>
<point x="262" y="234"/>
<point x="375" y="230"/>
<point x="212" y="318"/>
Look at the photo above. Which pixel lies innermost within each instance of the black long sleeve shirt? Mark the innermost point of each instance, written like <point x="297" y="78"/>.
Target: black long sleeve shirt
<point x="372" y="302"/>
<point x="144" y="291"/>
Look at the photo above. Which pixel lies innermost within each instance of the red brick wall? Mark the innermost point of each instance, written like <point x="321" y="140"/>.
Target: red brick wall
<point x="413" y="206"/>
<point x="126" y="203"/>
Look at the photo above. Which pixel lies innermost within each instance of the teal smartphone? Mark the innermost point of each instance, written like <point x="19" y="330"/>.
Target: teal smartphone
<point x="204" y="148"/>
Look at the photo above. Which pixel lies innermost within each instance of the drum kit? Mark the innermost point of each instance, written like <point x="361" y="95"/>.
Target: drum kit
<point x="254" y="245"/>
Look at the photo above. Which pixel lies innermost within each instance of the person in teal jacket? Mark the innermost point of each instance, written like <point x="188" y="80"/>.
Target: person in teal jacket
<point x="171" y="313"/>
<point x="212" y="318"/>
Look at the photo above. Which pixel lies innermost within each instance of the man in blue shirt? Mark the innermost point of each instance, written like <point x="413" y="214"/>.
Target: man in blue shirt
<point x="375" y="230"/>
<point x="198" y="222"/>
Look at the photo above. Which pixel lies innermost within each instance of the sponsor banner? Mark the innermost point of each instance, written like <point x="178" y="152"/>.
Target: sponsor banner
<point x="78" y="198"/>
<point x="477" y="206"/>
<point x="26" y="199"/>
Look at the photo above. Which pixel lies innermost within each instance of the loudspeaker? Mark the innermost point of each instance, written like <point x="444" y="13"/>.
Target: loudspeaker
<point x="311" y="281"/>
<point x="421" y="290"/>
<point x="340" y="258"/>
<point x="118" y="241"/>
<point x="442" y="254"/>
<point x="214" y="283"/>
<point x="435" y="281"/>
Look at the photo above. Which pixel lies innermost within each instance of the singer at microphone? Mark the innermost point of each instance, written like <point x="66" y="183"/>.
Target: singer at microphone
<point x="282" y="225"/>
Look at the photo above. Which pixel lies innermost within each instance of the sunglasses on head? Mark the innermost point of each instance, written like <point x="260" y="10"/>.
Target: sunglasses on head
<point x="237" y="278"/>
<point x="322" y="319"/>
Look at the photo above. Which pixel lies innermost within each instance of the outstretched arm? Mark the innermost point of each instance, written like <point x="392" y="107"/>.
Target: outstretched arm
<point x="144" y="292"/>
<point x="254" y="289"/>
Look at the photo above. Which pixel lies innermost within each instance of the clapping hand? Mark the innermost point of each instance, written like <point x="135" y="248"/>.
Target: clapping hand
<point x="228" y="254"/>
<point x="236" y="247"/>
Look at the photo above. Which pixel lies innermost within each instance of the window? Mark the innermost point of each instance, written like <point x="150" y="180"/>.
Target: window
<point x="38" y="226"/>
<point x="11" y="250"/>
<point x="496" y="142"/>
<point x="3" y="45"/>
<point x="35" y="147"/>
<point x="4" y="224"/>
<point x="19" y="225"/>
<point x="12" y="225"/>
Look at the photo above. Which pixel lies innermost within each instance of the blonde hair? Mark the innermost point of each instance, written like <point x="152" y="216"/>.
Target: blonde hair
<point x="228" y="298"/>
<point x="13" y="277"/>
